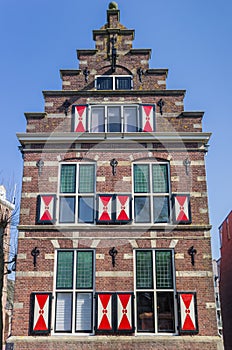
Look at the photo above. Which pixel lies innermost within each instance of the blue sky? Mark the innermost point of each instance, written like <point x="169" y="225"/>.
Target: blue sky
<point x="191" y="38"/>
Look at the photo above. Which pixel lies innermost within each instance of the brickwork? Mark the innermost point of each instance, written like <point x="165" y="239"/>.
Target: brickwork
<point x="126" y="343"/>
<point x="225" y="285"/>
<point x="177" y="138"/>
<point x="46" y="182"/>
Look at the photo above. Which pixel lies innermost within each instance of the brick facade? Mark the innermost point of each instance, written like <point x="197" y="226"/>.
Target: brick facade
<point x="177" y="137"/>
<point x="224" y="278"/>
<point x="6" y="210"/>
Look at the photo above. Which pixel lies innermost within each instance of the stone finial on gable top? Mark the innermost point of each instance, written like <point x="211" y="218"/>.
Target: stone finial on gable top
<point x="113" y="15"/>
<point x="113" y="5"/>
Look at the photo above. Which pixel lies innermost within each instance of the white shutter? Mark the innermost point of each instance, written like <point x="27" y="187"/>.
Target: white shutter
<point x="40" y="315"/>
<point x="104" y="306"/>
<point x="188" y="322"/>
<point x="147" y="114"/>
<point x="125" y="312"/>
<point x="80" y="118"/>
<point x="181" y="208"/>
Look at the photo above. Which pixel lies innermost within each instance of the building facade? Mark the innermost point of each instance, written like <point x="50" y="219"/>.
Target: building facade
<point x="6" y="210"/>
<point x="225" y="284"/>
<point x="114" y="236"/>
<point x="216" y="276"/>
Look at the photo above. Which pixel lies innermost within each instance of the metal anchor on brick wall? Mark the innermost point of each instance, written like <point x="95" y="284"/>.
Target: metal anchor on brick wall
<point x="192" y="252"/>
<point x="160" y="104"/>
<point x="113" y="252"/>
<point x="140" y="73"/>
<point x="40" y="164"/>
<point x="113" y="164"/>
<point x="86" y="74"/>
<point x="35" y="253"/>
<point x="187" y="163"/>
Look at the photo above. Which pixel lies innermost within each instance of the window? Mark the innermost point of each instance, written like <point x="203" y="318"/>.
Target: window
<point x="74" y="291"/>
<point x="77" y="193"/>
<point x="155" y="303"/>
<point x="131" y="119"/>
<point x="113" y="118"/>
<point x="151" y="193"/>
<point x="116" y="118"/>
<point x="114" y="83"/>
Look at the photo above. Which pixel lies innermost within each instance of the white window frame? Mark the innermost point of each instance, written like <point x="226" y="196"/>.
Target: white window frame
<point x="150" y="194"/>
<point x="122" y="117"/>
<point x="114" y="78"/>
<point x="74" y="291"/>
<point x="76" y="194"/>
<point x="154" y="290"/>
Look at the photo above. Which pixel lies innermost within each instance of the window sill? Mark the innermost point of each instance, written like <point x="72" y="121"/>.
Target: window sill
<point x="126" y="227"/>
<point x="204" y="340"/>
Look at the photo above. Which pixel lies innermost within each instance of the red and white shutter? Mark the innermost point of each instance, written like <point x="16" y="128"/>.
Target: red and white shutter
<point x="105" y="208"/>
<point x="41" y="313"/>
<point x="181" y="209"/>
<point x="147" y="114"/>
<point x="46" y="209"/>
<point x="187" y="312"/>
<point x="80" y="118"/>
<point x="125" y="322"/>
<point x="104" y="321"/>
<point x="123" y="208"/>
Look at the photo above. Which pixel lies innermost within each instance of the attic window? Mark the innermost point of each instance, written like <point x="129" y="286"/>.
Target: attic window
<point x="114" y="83"/>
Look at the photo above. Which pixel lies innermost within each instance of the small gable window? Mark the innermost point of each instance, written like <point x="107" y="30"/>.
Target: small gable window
<point x="114" y="83"/>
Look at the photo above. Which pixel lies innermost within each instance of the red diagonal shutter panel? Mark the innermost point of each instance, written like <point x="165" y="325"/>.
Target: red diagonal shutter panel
<point x="147" y="118"/>
<point x="124" y="312"/>
<point x="80" y="118"/>
<point x="40" y="325"/>
<point x="182" y="208"/>
<point x="46" y="209"/>
<point x="123" y="208"/>
<point x="187" y="312"/>
<point x="104" y="312"/>
<point x="188" y="323"/>
<point x="105" y="210"/>
<point x="41" y="312"/>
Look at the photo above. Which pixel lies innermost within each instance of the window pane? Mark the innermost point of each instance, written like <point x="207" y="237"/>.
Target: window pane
<point x="141" y="178"/>
<point x="164" y="278"/>
<point x="84" y="270"/>
<point x="68" y="178"/>
<point x="142" y="209"/>
<point x="86" y="178"/>
<point x="104" y="83"/>
<point x="165" y="308"/>
<point x="86" y="209"/>
<point x="84" y="312"/>
<point x="130" y="119"/>
<point x="161" y="209"/>
<point x="114" y="119"/>
<point x="63" y="321"/>
<point x="145" y="312"/>
<point x="97" y="123"/>
<point x="64" y="278"/>
<point x="123" y="83"/>
<point x="160" y="178"/>
<point x="144" y="269"/>
<point x="67" y="209"/>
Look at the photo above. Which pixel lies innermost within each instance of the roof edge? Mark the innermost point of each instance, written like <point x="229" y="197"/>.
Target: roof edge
<point x="113" y="92"/>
